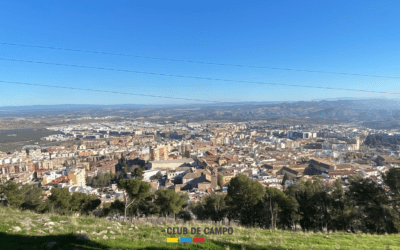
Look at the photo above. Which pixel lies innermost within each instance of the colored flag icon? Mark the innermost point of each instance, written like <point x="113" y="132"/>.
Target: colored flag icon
<point x="198" y="240"/>
<point x="185" y="240"/>
<point x="172" y="240"/>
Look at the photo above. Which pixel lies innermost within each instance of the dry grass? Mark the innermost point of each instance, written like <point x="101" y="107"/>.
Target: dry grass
<point x="153" y="236"/>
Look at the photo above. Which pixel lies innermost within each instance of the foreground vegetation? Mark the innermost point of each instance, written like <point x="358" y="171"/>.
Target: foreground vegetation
<point x="361" y="205"/>
<point x="51" y="231"/>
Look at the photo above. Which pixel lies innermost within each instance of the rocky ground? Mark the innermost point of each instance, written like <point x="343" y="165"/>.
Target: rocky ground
<point x="27" y="230"/>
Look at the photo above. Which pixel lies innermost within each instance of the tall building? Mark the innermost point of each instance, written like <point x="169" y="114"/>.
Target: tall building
<point x="77" y="176"/>
<point x="184" y="147"/>
<point x="160" y="152"/>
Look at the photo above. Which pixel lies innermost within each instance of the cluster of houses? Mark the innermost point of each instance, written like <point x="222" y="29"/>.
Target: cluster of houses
<point x="198" y="158"/>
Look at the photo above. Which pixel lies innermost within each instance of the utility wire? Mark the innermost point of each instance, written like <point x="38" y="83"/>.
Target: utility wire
<point x="199" y="62"/>
<point x="194" y="77"/>
<point x="108" y="91"/>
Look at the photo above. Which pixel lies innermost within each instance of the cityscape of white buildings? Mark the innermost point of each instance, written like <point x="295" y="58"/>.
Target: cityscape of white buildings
<point x="201" y="156"/>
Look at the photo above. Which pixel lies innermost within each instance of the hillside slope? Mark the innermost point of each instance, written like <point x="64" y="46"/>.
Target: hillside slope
<point x="27" y="230"/>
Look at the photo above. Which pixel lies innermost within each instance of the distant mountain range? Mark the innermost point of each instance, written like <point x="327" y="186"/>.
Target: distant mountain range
<point x="120" y="106"/>
<point x="344" y="102"/>
<point x="375" y="113"/>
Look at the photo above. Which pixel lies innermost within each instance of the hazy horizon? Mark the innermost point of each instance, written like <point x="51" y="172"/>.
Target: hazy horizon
<point x="204" y="104"/>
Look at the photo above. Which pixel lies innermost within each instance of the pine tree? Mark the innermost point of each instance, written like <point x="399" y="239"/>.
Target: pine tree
<point x="242" y="197"/>
<point x="169" y="202"/>
<point x="133" y="190"/>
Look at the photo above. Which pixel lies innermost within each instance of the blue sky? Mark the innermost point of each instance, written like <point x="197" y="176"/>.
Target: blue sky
<point x="341" y="36"/>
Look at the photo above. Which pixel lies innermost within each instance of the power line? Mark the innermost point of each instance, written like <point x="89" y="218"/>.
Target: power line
<point x="109" y="91"/>
<point x="194" y="77"/>
<point x="199" y="62"/>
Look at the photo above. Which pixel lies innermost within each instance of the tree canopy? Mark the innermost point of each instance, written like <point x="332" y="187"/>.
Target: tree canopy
<point x="243" y="194"/>
<point x="169" y="202"/>
<point x="133" y="190"/>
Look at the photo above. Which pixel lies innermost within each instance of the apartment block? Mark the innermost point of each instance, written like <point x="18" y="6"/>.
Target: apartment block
<point x="77" y="177"/>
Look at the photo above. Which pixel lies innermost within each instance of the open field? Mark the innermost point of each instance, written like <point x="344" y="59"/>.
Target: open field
<point x="15" y="139"/>
<point x="103" y="234"/>
<point x="16" y="135"/>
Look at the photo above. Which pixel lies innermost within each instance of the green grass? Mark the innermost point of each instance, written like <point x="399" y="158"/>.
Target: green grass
<point x="150" y="236"/>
